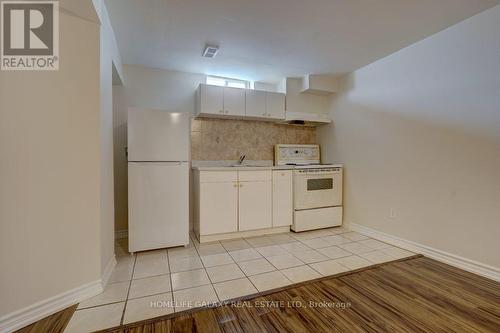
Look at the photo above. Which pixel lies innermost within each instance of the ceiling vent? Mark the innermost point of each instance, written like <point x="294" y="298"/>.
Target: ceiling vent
<point x="210" y="51"/>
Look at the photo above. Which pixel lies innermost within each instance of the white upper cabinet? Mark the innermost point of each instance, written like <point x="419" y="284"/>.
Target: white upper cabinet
<point x="220" y="101"/>
<point x="265" y="104"/>
<point x="256" y="103"/>
<point x="234" y="101"/>
<point x="210" y="100"/>
<point x="216" y="101"/>
<point x="275" y="105"/>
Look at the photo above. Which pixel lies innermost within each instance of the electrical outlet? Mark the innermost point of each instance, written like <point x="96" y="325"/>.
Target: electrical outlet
<point x="392" y="213"/>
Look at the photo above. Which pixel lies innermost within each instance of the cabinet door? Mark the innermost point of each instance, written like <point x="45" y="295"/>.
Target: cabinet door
<point x="275" y="105"/>
<point x="255" y="205"/>
<point x="234" y="101"/>
<point x="282" y="198"/>
<point x="256" y="103"/>
<point x="211" y="99"/>
<point x="218" y="208"/>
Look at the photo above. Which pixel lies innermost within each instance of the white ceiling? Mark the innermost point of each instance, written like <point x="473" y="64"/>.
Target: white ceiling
<point x="267" y="40"/>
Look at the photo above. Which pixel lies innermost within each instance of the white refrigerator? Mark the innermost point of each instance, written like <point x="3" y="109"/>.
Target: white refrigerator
<point x="158" y="178"/>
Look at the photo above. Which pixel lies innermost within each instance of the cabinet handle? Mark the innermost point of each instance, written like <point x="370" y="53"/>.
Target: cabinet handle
<point x="241" y="185"/>
<point x="226" y="112"/>
<point x="221" y="111"/>
<point x="264" y="114"/>
<point x="235" y="185"/>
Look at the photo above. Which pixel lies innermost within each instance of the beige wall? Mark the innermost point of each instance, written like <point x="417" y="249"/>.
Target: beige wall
<point x="419" y="133"/>
<point x="120" y="159"/>
<point x="107" y="234"/>
<point x="50" y="173"/>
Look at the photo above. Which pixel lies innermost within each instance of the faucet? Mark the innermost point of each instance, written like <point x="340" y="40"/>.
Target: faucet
<point x="242" y="158"/>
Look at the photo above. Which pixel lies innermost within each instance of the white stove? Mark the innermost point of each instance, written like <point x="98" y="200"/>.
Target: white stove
<point x="315" y="167"/>
<point x="317" y="187"/>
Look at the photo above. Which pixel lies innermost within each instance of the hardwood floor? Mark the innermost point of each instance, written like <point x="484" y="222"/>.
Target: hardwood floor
<point x="52" y="324"/>
<point x="412" y="295"/>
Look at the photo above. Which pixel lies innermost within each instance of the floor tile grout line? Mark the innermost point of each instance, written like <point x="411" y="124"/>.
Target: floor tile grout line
<point x="277" y="270"/>
<point x="128" y="291"/>
<point x="236" y="240"/>
<point x="170" y="278"/>
<point x="244" y="273"/>
<point x="348" y="269"/>
<point x="248" y="277"/>
<point x="246" y="259"/>
<point x="145" y="277"/>
<point x="203" y="264"/>
<point x="99" y="305"/>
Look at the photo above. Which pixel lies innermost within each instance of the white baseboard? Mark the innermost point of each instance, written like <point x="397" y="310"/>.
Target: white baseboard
<point x="120" y="234"/>
<point x="24" y="317"/>
<point x="108" y="270"/>
<point x="469" y="265"/>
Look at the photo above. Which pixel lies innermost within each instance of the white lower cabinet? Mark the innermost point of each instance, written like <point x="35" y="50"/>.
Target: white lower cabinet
<point x="255" y="210"/>
<point x="218" y="208"/>
<point x="282" y="198"/>
<point x="241" y="202"/>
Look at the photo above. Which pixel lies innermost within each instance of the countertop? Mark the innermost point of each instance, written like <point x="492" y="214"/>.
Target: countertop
<point x="228" y="165"/>
<point x="243" y="167"/>
<point x="251" y="165"/>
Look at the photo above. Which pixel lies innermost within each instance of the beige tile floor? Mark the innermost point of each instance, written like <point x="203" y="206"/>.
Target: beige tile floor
<point x="155" y="283"/>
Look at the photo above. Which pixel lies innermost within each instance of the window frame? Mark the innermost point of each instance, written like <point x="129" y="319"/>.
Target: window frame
<point x="227" y="82"/>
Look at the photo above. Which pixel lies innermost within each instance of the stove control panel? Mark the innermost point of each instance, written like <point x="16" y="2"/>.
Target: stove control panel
<point x="296" y="154"/>
<point x="319" y="170"/>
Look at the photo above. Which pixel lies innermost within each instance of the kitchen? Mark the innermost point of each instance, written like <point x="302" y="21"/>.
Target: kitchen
<point x="265" y="188"/>
<point x="265" y="210"/>
<point x="253" y="166"/>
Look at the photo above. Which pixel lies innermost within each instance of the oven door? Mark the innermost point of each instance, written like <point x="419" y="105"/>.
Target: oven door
<point x="316" y="190"/>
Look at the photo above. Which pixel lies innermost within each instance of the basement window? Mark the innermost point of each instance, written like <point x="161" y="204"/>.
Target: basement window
<point x="227" y="82"/>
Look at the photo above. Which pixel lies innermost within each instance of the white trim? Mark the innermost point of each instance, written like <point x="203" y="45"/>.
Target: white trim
<point x="30" y="314"/>
<point x="120" y="234"/>
<point x="469" y="265"/>
<point x="108" y="270"/>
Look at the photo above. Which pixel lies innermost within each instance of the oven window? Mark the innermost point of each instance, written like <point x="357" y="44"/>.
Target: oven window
<point x="320" y="184"/>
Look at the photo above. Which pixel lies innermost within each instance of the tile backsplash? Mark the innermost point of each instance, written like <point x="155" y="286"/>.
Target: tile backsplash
<point x="226" y="139"/>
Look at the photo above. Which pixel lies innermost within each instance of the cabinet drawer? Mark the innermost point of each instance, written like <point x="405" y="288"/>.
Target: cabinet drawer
<point x="282" y="175"/>
<point x="254" y="176"/>
<point x="218" y="176"/>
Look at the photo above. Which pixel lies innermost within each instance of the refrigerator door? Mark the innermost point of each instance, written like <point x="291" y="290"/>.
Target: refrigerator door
<point x="158" y="135"/>
<point x="158" y="205"/>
